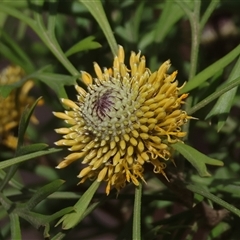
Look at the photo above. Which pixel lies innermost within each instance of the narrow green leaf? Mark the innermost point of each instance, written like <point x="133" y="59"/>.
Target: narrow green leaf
<point x="136" y="20"/>
<point x="72" y="219"/>
<point x="15" y="226"/>
<point x="16" y="160"/>
<point x="223" y="89"/>
<point x="167" y="21"/>
<point x="146" y="40"/>
<point x="56" y="81"/>
<point x="60" y="213"/>
<point x="49" y="78"/>
<point x="224" y="103"/>
<point x="211" y="7"/>
<point x="49" y="38"/>
<point x="59" y="236"/>
<point x="23" y="124"/>
<point x="97" y="11"/>
<point x="43" y="193"/>
<point x="87" y="43"/>
<point x="232" y="188"/>
<point x="219" y="230"/>
<point x="211" y="70"/>
<point x="65" y="195"/>
<point x="136" y="234"/>
<point x="201" y="191"/>
<point x="53" y="80"/>
<point x="35" y="219"/>
<point x="196" y="158"/>
<point x="130" y="30"/>
<point x="31" y="148"/>
<point x="39" y="220"/>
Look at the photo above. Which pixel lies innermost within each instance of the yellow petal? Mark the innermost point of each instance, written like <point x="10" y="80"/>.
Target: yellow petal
<point x="102" y="174"/>
<point x="62" y="130"/>
<point x="116" y="159"/>
<point x="80" y="90"/>
<point x="121" y="54"/>
<point x="69" y="159"/>
<point x="69" y="103"/>
<point x="62" y="115"/>
<point x="84" y="172"/>
<point x="87" y="78"/>
<point x="98" y="71"/>
<point x="89" y="156"/>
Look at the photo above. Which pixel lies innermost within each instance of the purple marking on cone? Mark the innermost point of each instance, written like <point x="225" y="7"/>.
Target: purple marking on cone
<point x="103" y="104"/>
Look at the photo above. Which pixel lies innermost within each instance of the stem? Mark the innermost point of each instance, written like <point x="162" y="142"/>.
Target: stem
<point x="137" y="213"/>
<point x="194" y="22"/>
<point x="193" y="17"/>
<point x="50" y="40"/>
<point x="195" y="30"/>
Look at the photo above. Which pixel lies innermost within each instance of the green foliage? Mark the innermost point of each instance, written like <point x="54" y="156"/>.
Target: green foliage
<point x="196" y="158"/>
<point x="52" y="41"/>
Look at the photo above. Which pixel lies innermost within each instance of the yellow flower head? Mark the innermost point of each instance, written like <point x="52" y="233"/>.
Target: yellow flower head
<point x="127" y="118"/>
<point x="12" y="107"/>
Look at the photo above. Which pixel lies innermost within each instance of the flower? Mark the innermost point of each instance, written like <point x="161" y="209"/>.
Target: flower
<point x="127" y="118"/>
<point x="13" y="105"/>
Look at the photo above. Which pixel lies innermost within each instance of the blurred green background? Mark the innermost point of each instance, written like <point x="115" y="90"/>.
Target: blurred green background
<point x="161" y="30"/>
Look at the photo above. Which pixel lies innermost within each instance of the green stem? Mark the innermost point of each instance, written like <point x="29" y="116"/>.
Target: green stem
<point x="50" y="40"/>
<point x="193" y="17"/>
<point x="15" y="226"/>
<point x="195" y="29"/>
<point x="137" y="213"/>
